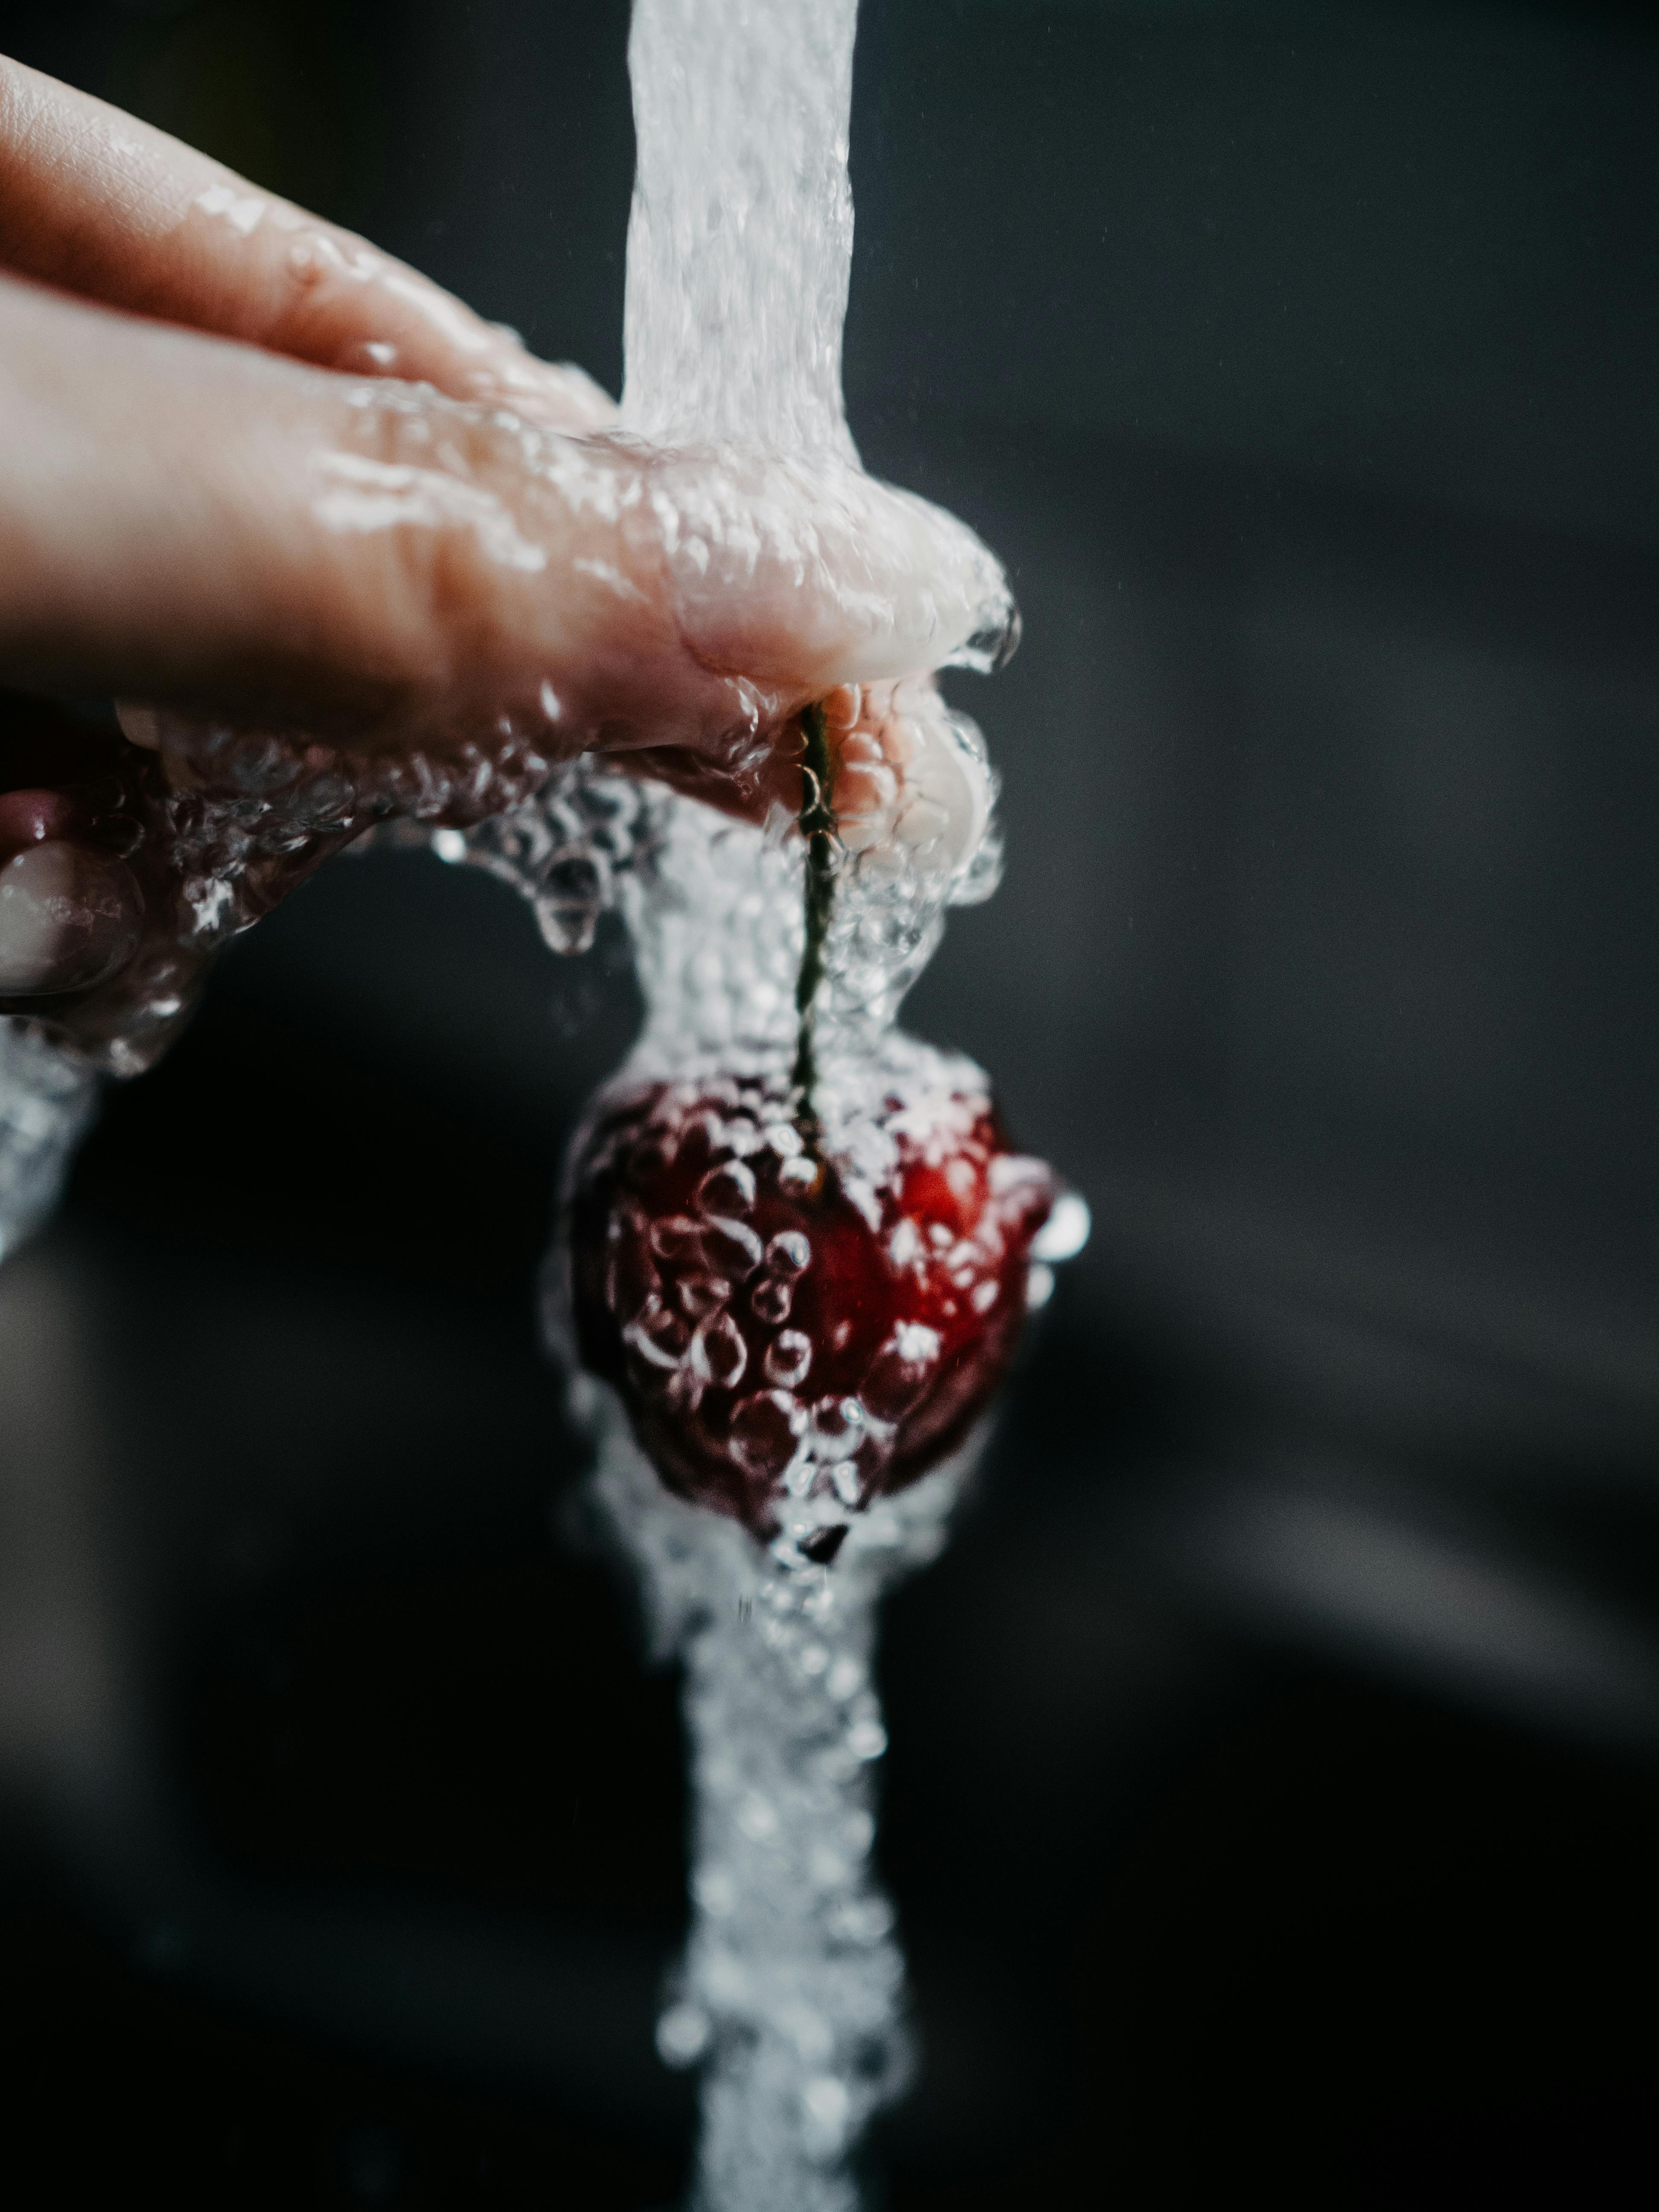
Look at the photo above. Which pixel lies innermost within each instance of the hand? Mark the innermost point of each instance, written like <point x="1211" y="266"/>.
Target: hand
<point x="308" y="507"/>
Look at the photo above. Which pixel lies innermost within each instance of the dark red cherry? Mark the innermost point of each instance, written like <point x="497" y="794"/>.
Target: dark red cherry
<point x="790" y="1330"/>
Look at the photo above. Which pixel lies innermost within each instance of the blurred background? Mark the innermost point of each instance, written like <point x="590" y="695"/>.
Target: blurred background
<point x="1273" y="1806"/>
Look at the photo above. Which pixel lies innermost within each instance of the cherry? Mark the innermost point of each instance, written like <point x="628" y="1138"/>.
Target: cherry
<point x="795" y="1331"/>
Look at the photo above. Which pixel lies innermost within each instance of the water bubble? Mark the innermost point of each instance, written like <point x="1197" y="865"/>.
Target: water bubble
<point x="837" y="1428"/>
<point x="789" y="1253"/>
<point x="727" y="1189"/>
<point x="771" y="1300"/>
<point x="787" y="1357"/>
<point x="866" y="1739"/>
<point x="718" y="1354"/>
<point x="901" y="1371"/>
<point x="765" y="1432"/>
<point x="677" y="1239"/>
<point x="1065" y="1231"/>
<point x="846" y="1482"/>
<point x="702" y="1295"/>
<point x="658" y="1335"/>
<point x="904" y="1246"/>
<point x="733" y="1248"/>
<point x="826" y="2107"/>
<point x="682" y="2034"/>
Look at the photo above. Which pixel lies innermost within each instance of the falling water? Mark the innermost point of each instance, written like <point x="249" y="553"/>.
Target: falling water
<point x="740" y="243"/>
<point x="790" y="1995"/>
<point x="47" y="1096"/>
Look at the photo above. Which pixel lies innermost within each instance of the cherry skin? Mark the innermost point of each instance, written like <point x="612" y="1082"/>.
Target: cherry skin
<point x="794" y="1333"/>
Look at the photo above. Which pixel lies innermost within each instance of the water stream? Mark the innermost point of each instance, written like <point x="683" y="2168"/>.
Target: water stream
<point x="790" y="1997"/>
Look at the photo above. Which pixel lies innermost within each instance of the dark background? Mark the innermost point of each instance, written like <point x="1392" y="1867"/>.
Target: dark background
<point x="1274" y="1799"/>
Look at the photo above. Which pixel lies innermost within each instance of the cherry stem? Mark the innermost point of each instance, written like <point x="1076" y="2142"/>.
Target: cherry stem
<point x="817" y="827"/>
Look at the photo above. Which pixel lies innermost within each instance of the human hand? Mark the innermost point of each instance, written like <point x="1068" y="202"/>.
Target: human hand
<point x="328" y="524"/>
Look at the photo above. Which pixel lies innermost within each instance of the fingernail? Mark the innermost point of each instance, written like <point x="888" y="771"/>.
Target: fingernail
<point x="70" y="916"/>
<point x="140" y="726"/>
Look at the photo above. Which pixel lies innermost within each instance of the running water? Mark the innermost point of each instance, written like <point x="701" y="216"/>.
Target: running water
<point x="47" y="1097"/>
<point x="740" y="241"/>
<point x="791" y="1994"/>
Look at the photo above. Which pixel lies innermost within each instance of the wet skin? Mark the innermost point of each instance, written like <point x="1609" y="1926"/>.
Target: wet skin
<point x="269" y="481"/>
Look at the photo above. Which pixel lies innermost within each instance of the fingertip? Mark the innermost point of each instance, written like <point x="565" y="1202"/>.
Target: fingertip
<point x="140" y="726"/>
<point x="814" y="574"/>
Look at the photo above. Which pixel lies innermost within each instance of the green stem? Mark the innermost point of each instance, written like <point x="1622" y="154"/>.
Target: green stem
<point x="817" y="827"/>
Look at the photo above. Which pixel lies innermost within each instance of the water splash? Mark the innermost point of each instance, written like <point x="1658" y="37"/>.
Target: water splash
<point x="791" y="1993"/>
<point x="47" y="1100"/>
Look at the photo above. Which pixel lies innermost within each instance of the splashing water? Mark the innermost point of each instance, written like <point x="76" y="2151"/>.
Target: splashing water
<point x="790" y="1995"/>
<point x="47" y="1097"/>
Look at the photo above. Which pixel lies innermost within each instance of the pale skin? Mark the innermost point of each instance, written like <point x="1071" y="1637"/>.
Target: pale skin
<point x="256" y="474"/>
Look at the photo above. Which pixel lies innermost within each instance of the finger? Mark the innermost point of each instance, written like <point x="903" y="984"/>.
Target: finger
<point x="811" y="572"/>
<point x="205" y="523"/>
<point x="99" y="205"/>
<point x="238" y="536"/>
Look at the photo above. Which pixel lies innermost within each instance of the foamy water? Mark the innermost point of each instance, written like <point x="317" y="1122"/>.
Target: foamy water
<point x="790" y="1997"/>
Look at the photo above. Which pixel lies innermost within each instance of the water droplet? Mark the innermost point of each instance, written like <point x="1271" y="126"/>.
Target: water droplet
<point x="727" y="1190"/>
<point x="765" y="1432"/>
<point x="718" y="1354"/>
<point x="837" y="1428"/>
<point x="788" y="1357"/>
<point x="771" y="1300"/>
<point x="702" y="1295"/>
<point x="1065" y="1231"/>
<point x="905" y="1245"/>
<point x="683" y="2035"/>
<point x="866" y="1739"/>
<point x="733" y="1248"/>
<point x="789" y="1253"/>
<point x="677" y="1239"/>
<point x="658" y="1335"/>
<point x="827" y="2108"/>
<point x="901" y="1371"/>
